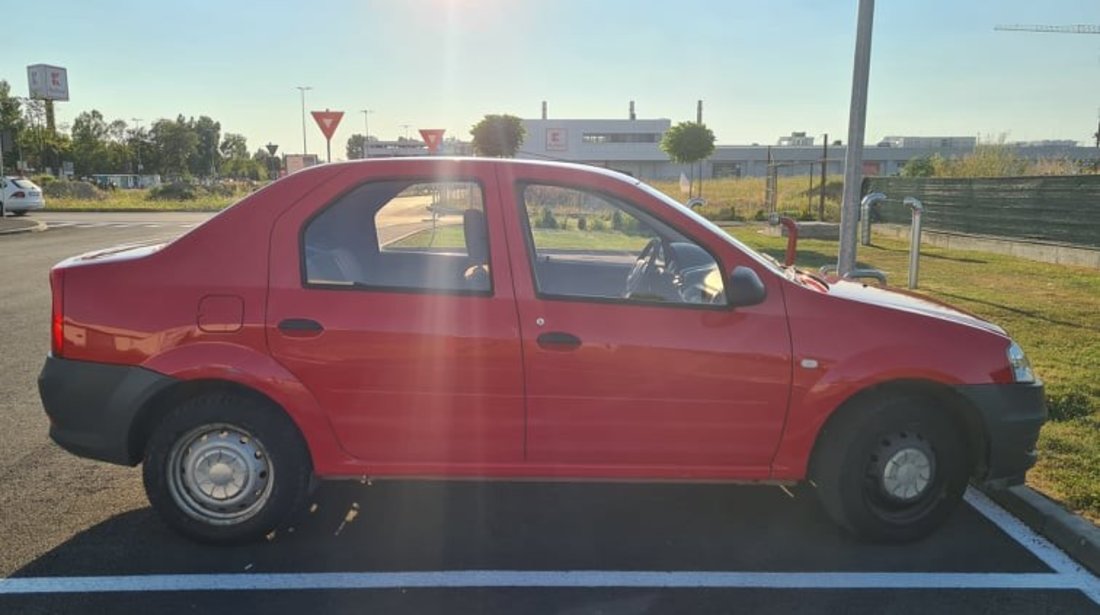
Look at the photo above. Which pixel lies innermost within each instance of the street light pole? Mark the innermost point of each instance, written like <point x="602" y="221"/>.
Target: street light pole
<point x="366" y="131"/>
<point x="857" y="120"/>
<point x="302" y="89"/>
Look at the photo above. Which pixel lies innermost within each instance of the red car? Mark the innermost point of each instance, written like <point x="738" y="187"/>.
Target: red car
<point x="511" y="320"/>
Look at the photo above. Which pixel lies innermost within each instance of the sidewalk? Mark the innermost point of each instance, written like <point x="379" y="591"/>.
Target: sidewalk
<point x="11" y="225"/>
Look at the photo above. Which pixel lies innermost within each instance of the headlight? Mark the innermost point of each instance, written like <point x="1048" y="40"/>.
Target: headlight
<point x="1021" y="367"/>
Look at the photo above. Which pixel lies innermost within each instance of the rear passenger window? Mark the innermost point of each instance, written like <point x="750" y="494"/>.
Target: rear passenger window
<point x="401" y="235"/>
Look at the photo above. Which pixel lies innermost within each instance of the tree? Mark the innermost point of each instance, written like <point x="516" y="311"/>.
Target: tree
<point x="355" y="146"/>
<point x="498" y="136"/>
<point x="234" y="146"/>
<point x="174" y="145"/>
<point x="688" y="143"/>
<point x="89" y="149"/>
<point x="11" y="122"/>
<point x="921" y="166"/>
<point x="206" y="160"/>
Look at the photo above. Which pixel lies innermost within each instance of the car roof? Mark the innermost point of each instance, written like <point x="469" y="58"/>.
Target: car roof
<point x="518" y="162"/>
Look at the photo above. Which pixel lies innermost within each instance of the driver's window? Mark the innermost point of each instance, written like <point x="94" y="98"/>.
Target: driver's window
<point x="590" y="245"/>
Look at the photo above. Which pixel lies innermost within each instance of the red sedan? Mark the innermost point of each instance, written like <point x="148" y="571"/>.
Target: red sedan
<point x="515" y="320"/>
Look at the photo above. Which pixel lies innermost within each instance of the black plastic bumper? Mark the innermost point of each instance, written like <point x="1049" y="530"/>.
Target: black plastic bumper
<point x="92" y="406"/>
<point x="1012" y="415"/>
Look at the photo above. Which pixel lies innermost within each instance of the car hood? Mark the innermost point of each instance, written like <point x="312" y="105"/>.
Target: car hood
<point x="897" y="299"/>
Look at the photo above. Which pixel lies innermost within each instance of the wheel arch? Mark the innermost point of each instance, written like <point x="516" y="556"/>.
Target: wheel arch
<point x="154" y="410"/>
<point x="949" y="403"/>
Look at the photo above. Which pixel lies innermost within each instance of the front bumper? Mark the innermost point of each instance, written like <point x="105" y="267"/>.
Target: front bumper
<point x="93" y="406"/>
<point x="1012" y="415"/>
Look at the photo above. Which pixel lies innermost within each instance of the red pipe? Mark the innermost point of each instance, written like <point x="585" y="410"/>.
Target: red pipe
<point x="792" y="238"/>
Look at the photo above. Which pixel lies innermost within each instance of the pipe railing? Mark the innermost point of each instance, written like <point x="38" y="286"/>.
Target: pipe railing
<point x="917" y="208"/>
<point x="865" y="215"/>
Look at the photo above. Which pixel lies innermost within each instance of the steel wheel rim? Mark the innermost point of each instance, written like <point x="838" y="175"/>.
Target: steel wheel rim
<point x="220" y="474"/>
<point x="902" y="476"/>
<point x="907" y="474"/>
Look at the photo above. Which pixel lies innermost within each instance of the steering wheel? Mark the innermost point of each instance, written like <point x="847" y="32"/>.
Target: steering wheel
<point x="645" y="267"/>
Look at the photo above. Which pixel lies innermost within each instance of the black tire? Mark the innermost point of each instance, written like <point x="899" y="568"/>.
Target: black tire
<point x="21" y="212"/>
<point x="248" y="449"/>
<point x="890" y="469"/>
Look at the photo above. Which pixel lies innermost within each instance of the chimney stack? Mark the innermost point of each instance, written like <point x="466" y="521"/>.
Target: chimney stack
<point x="632" y="116"/>
<point x="699" y="112"/>
<point x="544" y="109"/>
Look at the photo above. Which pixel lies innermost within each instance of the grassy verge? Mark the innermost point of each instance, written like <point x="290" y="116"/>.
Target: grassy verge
<point x="138" y="200"/>
<point x="1051" y="310"/>
<point x="742" y="198"/>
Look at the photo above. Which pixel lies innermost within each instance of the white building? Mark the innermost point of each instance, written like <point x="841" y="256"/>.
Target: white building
<point x="796" y="139"/>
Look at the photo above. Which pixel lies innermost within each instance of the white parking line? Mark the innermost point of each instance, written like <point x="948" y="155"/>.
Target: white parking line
<point x="1040" y="547"/>
<point x="1066" y="575"/>
<point x="537" y="579"/>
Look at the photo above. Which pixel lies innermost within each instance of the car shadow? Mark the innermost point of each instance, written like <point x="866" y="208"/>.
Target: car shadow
<point x="419" y="526"/>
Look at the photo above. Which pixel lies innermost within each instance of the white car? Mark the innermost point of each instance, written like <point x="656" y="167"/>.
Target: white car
<point x="20" y="195"/>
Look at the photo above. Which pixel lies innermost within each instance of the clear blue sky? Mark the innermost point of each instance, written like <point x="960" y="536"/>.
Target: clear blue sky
<point x="763" y="69"/>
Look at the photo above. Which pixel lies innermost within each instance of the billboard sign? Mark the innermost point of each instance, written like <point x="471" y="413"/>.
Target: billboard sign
<point x="297" y="162"/>
<point x="48" y="82"/>
<point x="557" y="139"/>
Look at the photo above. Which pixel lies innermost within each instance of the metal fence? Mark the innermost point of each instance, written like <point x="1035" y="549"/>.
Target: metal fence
<point x="1063" y="209"/>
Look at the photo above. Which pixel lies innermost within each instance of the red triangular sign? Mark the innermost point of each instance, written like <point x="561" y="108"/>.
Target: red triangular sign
<point x="327" y="121"/>
<point x="433" y="137"/>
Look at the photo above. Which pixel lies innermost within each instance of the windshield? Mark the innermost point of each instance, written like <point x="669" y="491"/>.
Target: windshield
<point x="22" y="183"/>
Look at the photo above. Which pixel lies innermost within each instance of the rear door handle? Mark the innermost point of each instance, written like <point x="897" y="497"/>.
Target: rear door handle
<point x="301" y="327"/>
<point x="558" y="340"/>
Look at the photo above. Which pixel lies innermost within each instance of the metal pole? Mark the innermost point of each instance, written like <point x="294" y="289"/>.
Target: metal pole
<point x="857" y="119"/>
<point x="302" y="89"/>
<point x="810" y="191"/>
<point x="914" y="239"/>
<point x="366" y="132"/>
<point x="824" y="164"/>
<point x="865" y="215"/>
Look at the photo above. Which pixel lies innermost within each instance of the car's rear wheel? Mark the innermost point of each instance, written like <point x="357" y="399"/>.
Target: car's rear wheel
<point x="226" y="469"/>
<point x="891" y="470"/>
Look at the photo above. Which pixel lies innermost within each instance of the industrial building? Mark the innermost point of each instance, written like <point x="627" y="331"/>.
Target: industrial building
<point x="633" y="146"/>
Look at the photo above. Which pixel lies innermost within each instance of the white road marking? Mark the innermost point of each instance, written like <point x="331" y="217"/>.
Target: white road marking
<point x="536" y="579"/>
<point x="1040" y="547"/>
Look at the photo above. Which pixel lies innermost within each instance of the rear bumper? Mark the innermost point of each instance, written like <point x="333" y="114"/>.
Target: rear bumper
<point x="92" y="406"/>
<point x="1012" y="415"/>
<point x="24" y="205"/>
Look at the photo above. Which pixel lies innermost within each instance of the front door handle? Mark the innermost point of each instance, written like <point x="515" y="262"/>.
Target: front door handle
<point x="300" y="327"/>
<point x="558" y="340"/>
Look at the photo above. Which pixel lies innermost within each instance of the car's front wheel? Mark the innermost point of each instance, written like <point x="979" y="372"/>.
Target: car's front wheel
<point x="891" y="470"/>
<point x="226" y="469"/>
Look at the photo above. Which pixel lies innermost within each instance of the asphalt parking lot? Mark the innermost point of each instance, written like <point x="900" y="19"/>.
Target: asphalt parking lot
<point x="79" y="536"/>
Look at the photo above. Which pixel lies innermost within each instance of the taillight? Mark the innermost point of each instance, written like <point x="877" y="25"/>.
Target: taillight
<point x="57" y="314"/>
<point x="19" y="195"/>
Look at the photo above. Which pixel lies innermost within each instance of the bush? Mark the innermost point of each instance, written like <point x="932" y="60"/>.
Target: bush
<point x="60" y="189"/>
<point x="43" y="180"/>
<point x="599" y="224"/>
<point x="175" y="191"/>
<point x="547" y="220"/>
<point x="582" y="224"/>
<point x="760" y="216"/>
<point x="1069" y="406"/>
<point x="617" y="220"/>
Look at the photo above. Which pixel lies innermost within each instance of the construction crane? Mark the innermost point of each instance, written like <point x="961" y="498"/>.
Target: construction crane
<point x="1080" y="28"/>
<point x="1071" y="29"/>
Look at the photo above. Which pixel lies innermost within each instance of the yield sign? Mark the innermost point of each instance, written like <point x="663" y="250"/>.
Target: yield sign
<point x="432" y="138"/>
<point x="328" y="121"/>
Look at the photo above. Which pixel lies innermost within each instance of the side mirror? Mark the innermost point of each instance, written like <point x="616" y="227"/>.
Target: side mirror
<point x="745" y="288"/>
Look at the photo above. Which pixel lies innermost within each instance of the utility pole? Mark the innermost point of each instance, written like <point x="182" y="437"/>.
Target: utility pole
<point x="366" y="132"/>
<point x="857" y="120"/>
<point x="406" y="127"/>
<point x="137" y="144"/>
<point x="824" y="165"/>
<point x="303" y="89"/>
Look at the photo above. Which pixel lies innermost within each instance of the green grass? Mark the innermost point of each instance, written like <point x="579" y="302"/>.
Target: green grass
<point x="138" y="200"/>
<point x="1053" y="311"/>
<point x="742" y="198"/>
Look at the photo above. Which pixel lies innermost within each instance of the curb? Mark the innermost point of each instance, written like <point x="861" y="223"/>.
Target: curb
<point x="1075" y="535"/>
<point x="36" y="226"/>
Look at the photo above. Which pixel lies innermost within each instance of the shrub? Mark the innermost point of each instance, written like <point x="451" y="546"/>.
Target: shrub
<point x="60" y="189"/>
<point x="599" y="224"/>
<point x="175" y="191"/>
<point x="547" y="220"/>
<point x="617" y="220"/>
<point x="43" y="180"/>
<point x="1074" y="404"/>
<point x="582" y="224"/>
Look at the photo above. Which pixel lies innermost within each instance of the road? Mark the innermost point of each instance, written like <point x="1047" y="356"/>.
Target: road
<point x="78" y="536"/>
